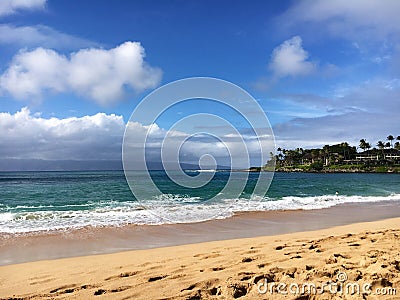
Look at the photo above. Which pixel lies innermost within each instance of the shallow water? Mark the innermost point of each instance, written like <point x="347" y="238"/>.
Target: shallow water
<point x="42" y="201"/>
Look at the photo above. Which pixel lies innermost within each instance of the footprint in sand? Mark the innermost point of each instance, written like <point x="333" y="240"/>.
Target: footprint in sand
<point x="122" y="275"/>
<point x="114" y="290"/>
<point x="67" y="288"/>
<point x="70" y="288"/>
<point x="245" y="275"/>
<point x="206" y="255"/>
<point x="247" y="259"/>
<point x="156" y="278"/>
<point x="238" y="290"/>
<point x="218" y="268"/>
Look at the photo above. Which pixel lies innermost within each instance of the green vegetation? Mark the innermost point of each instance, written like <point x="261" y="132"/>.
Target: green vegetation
<point x="381" y="169"/>
<point x="255" y="169"/>
<point x="384" y="158"/>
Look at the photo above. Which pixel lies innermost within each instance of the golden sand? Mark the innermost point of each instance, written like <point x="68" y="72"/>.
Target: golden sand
<point x="365" y="255"/>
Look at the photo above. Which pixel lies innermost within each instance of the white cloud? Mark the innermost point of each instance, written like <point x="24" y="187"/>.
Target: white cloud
<point x="290" y="59"/>
<point x="333" y="129"/>
<point x="372" y="19"/>
<point x="24" y="135"/>
<point x="8" y="7"/>
<point x="40" y="35"/>
<point x="27" y="136"/>
<point x="99" y="74"/>
<point x="189" y="148"/>
<point x="369" y="110"/>
<point x="30" y="73"/>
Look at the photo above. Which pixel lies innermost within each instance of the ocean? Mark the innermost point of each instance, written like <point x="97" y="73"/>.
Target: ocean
<point x="33" y="202"/>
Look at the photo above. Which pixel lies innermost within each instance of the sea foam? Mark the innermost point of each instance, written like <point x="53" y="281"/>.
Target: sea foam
<point x="166" y="209"/>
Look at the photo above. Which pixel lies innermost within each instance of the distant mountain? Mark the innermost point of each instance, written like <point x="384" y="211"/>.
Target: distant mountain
<point x="59" y="165"/>
<point x="78" y="165"/>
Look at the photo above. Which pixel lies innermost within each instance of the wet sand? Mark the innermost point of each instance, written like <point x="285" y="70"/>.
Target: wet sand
<point x="89" y="241"/>
<point x="363" y="254"/>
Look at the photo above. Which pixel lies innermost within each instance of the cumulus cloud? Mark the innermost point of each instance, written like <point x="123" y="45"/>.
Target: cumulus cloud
<point x="27" y="136"/>
<point x="240" y="150"/>
<point x="30" y="73"/>
<point x="40" y="35"/>
<point x="8" y="7"/>
<point x="99" y="74"/>
<point x="24" y="135"/>
<point x="290" y="59"/>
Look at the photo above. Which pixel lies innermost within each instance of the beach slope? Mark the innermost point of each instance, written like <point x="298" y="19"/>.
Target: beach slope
<point x="364" y="255"/>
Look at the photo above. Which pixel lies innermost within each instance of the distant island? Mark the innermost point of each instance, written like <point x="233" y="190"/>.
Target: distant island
<point x="339" y="158"/>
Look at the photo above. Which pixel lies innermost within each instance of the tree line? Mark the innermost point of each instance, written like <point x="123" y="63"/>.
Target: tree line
<point x="382" y="145"/>
<point x="385" y="153"/>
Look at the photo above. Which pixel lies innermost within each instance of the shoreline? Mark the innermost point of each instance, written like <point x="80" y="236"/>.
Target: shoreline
<point x="92" y="240"/>
<point x="367" y="253"/>
<point x="337" y="171"/>
<point x="326" y="171"/>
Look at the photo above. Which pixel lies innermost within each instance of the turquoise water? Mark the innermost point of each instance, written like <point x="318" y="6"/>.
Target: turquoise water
<point x="37" y="201"/>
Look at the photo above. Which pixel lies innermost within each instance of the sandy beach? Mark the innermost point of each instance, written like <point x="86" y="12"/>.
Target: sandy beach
<point x="189" y="150"/>
<point x="356" y="261"/>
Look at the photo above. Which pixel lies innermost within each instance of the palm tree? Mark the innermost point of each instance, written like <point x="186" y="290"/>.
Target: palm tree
<point x="314" y="155"/>
<point x="326" y="154"/>
<point x="397" y="145"/>
<point x="272" y="156"/>
<point x="284" y="155"/>
<point x="387" y="145"/>
<point x="364" y="144"/>
<point x="300" y="154"/>
<point x="344" y="145"/>
<point x="390" y="138"/>
<point x="280" y="153"/>
<point x="381" y="146"/>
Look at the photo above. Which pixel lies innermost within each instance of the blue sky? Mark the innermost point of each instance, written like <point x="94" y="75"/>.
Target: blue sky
<point x="323" y="71"/>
